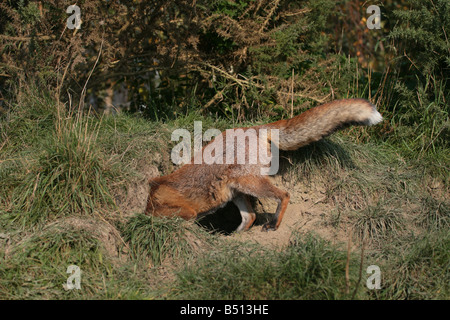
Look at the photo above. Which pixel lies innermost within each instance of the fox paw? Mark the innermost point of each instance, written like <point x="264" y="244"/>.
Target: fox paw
<point x="269" y="226"/>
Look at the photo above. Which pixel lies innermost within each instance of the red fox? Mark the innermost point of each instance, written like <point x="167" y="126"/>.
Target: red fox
<point x="198" y="189"/>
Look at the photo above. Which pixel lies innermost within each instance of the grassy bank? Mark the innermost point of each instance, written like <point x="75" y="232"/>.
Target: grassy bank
<point x="69" y="185"/>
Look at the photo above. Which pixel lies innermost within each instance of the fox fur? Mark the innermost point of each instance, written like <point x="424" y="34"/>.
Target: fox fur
<point x="198" y="189"/>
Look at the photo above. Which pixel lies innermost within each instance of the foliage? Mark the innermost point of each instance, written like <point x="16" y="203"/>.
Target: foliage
<point x="174" y="55"/>
<point x="421" y="35"/>
<point x="421" y="49"/>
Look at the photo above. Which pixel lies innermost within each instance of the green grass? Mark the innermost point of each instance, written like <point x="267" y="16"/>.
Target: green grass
<point x="69" y="176"/>
<point x="377" y="223"/>
<point x="63" y="175"/>
<point x="156" y="239"/>
<point x="415" y="267"/>
<point x="309" y="268"/>
<point x="38" y="264"/>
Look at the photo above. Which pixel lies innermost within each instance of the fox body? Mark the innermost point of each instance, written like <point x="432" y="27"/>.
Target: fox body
<point x="197" y="189"/>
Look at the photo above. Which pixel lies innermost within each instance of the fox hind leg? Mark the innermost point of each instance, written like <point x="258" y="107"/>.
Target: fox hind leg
<point x="245" y="207"/>
<point x="261" y="187"/>
<point x="275" y="222"/>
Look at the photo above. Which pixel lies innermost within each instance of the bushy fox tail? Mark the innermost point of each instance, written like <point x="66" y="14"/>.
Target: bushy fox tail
<point x="321" y="121"/>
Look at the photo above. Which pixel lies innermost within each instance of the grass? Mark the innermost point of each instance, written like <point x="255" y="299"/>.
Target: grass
<point x="63" y="178"/>
<point x="36" y="269"/>
<point x="435" y="214"/>
<point x="157" y="239"/>
<point x="61" y="173"/>
<point x="69" y="176"/>
<point x="309" y="268"/>
<point x="418" y="267"/>
<point x="383" y="221"/>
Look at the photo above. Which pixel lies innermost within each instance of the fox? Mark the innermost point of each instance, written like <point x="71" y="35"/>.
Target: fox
<point x="195" y="190"/>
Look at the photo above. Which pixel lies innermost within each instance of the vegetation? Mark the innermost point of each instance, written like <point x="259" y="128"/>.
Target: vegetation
<point x="73" y="169"/>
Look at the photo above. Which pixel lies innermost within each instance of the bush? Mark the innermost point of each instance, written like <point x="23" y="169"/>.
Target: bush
<point x="422" y="49"/>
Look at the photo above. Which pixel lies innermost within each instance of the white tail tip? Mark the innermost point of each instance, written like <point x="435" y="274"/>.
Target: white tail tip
<point x="375" y="118"/>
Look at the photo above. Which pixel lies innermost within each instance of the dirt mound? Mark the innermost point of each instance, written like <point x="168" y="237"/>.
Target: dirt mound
<point x="106" y="234"/>
<point x="134" y="198"/>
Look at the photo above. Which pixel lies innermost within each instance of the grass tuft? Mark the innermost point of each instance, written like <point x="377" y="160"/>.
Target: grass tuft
<point x="156" y="238"/>
<point x="378" y="222"/>
<point x="70" y="176"/>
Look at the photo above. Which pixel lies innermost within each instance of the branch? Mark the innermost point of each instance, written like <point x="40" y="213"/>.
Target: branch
<point x="247" y="83"/>
<point x="360" y="268"/>
<point x="11" y="38"/>
<point x="290" y="14"/>
<point x="271" y="12"/>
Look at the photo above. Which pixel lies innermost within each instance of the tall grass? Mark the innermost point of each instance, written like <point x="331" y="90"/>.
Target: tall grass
<point x="416" y="267"/>
<point x="60" y="172"/>
<point x="69" y="176"/>
<point x="421" y="117"/>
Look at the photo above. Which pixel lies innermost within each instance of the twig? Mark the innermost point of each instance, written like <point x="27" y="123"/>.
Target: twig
<point x="247" y="83"/>
<point x="12" y="38"/>
<point x="360" y="269"/>
<point x="292" y="90"/>
<point x="290" y="14"/>
<point x="347" y="265"/>
<point x="217" y="96"/>
<point x="272" y="11"/>
<point x="320" y="200"/>
<point x="242" y="83"/>
<point x="83" y="92"/>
